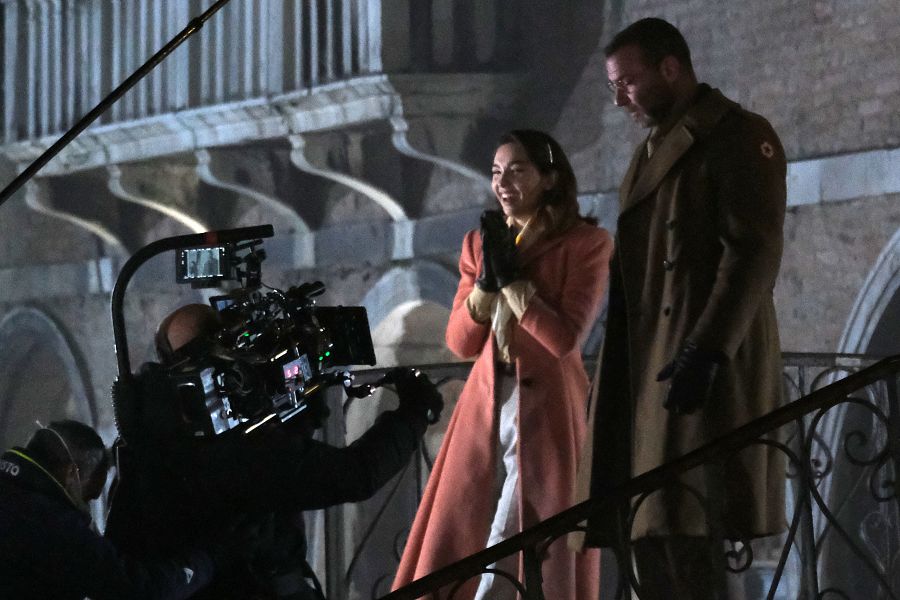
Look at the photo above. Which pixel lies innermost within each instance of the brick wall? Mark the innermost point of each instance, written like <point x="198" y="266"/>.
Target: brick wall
<point x="829" y="251"/>
<point x="825" y="73"/>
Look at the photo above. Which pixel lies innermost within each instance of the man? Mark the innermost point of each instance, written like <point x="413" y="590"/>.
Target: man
<point x="265" y="477"/>
<point x="691" y="347"/>
<point x="47" y="547"/>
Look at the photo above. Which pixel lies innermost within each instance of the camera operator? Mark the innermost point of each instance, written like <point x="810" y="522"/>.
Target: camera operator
<point x="180" y="487"/>
<point x="47" y="546"/>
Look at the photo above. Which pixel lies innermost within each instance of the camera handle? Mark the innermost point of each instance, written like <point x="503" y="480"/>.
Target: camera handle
<point x="367" y="389"/>
<point x="123" y="392"/>
<point x="223" y="236"/>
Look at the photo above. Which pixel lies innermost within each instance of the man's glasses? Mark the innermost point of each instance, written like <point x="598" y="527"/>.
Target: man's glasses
<point x="626" y="81"/>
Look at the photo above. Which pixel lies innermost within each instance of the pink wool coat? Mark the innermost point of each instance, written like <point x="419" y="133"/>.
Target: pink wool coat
<point x="570" y="273"/>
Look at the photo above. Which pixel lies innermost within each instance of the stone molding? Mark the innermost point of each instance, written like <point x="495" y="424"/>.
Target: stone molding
<point x="381" y="243"/>
<point x="338" y="105"/>
<point x="844" y="177"/>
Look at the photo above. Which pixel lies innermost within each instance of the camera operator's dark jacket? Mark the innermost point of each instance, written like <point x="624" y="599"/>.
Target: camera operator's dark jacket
<point x="184" y="490"/>
<point x="48" y="549"/>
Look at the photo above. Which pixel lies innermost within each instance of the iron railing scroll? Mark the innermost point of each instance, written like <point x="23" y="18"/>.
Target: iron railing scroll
<point x="839" y="433"/>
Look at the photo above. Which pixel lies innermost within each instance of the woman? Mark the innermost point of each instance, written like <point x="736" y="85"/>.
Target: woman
<point x="530" y="287"/>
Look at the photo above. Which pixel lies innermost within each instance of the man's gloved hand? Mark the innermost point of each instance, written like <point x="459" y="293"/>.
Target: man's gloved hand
<point x="692" y="374"/>
<point x="486" y="280"/>
<point x="418" y="395"/>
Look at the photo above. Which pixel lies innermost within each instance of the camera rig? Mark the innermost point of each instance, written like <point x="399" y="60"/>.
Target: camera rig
<point x="271" y="350"/>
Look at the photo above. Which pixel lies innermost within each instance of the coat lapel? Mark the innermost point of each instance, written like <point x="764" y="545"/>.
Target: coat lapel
<point x="628" y="181"/>
<point x="698" y="120"/>
<point x="675" y="144"/>
<point x="538" y="248"/>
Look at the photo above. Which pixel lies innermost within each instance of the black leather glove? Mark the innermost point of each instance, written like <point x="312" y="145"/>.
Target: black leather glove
<point x="692" y="374"/>
<point x="418" y="395"/>
<point x="499" y="248"/>
<point x="486" y="280"/>
<point x="505" y="260"/>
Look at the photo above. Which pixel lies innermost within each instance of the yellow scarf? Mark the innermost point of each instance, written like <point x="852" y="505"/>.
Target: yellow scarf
<point x="501" y="313"/>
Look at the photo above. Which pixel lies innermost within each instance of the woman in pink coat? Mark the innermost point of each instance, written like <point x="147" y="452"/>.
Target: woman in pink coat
<point x="530" y="288"/>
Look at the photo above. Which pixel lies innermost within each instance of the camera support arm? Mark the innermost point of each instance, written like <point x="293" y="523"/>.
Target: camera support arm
<point x="149" y="251"/>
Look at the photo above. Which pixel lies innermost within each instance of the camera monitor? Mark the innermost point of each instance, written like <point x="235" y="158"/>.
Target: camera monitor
<point x="348" y="328"/>
<point x="203" y="265"/>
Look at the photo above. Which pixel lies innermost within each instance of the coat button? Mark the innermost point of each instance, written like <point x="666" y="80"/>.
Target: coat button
<point x="526" y="382"/>
<point x="667" y="311"/>
<point x="668" y="265"/>
<point x="670" y="224"/>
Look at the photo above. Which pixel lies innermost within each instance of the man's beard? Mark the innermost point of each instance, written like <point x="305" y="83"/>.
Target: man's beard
<point x="661" y="108"/>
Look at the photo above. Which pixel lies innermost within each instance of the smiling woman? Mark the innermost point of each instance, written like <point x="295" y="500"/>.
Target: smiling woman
<point x="530" y="287"/>
<point x="517" y="183"/>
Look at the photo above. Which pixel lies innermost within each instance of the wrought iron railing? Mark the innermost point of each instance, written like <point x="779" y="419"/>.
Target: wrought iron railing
<point x="839" y="433"/>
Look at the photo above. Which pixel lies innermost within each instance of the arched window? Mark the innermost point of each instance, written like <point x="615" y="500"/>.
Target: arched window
<point x="41" y="376"/>
<point x="874" y="315"/>
<point x="852" y="437"/>
<point x="41" y="379"/>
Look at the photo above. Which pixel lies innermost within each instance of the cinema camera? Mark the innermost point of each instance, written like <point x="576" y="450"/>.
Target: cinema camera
<point x="274" y="350"/>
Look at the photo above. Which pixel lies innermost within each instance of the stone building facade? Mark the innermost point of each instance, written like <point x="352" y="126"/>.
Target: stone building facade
<point x="363" y="130"/>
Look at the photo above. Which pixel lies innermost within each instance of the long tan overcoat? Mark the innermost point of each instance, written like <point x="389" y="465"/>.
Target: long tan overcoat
<point x="698" y="247"/>
<point x="570" y="273"/>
